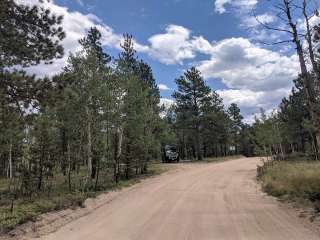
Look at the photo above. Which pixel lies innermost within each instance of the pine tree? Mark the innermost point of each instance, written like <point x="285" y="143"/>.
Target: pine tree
<point x="192" y="98"/>
<point x="28" y="34"/>
<point x="90" y="74"/>
<point x="140" y="111"/>
<point x="236" y="125"/>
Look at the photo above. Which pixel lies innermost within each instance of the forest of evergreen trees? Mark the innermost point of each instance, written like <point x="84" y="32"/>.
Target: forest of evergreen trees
<point x="288" y="130"/>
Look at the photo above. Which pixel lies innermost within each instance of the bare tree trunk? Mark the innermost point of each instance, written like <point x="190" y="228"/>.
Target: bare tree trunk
<point x="316" y="71"/>
<point x="89" y="144"/>
<point x="10" y="167"/>
<point x="118" y="152"/>
<point x="304" y="71"/>
<point x="292" y="148"/>
<point x="309" y="41"/>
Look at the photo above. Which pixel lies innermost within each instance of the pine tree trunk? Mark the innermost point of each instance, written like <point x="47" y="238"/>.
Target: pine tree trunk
<point x="198" y="144"/>
<point x="216" y="150"/>
<point x="281" y="150"/>
<point x="302" y="140"/>
<point x="41" y="167"/>
<point x="69" y="166"/>
<point x="64" y="150"/>
<point x="184" y="146"/>
<point x="97" y="175"/>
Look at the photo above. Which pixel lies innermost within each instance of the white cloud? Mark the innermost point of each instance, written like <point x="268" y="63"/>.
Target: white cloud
<point x="163" y="87"/>
<point x="239" y="5"/>
<point x="255" y="21"/>
<point x="243" y="98"/>
<point x="166" y="102"/>
<point x="176" y="45"/>
<point x="243" y="65"/>
<point x="172" y="46"/>
<point x="251" y="101"/>
<point x="220" y="5"/>
<point x="255" y="77"/>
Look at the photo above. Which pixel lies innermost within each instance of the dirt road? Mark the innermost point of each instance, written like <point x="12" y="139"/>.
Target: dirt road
<point x="195" y="201"/>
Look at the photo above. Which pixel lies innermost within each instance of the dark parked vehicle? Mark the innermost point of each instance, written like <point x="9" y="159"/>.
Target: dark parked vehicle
<point x="170" y="154"/>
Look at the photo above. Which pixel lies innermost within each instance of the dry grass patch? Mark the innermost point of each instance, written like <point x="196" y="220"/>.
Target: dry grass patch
<point x="294" y="181"/>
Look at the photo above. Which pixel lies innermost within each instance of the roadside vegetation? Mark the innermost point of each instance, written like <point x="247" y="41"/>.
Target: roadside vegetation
<point x="294" y="181"/>
<point x="60" y="197"/>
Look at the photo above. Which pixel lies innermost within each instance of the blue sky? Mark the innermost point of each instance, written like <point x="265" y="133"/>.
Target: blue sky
<point x="220" y="37"/>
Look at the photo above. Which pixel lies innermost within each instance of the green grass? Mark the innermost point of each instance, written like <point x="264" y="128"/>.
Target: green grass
<point x="28" y="209"/>
<point x="299" y="181"/>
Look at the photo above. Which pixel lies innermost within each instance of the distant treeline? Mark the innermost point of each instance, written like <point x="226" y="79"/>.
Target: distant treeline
<point x="287" y="130"/>
<point x="199" y="123"/>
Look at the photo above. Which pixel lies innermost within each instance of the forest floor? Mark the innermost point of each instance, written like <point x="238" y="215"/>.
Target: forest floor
<point x="191" y="201"/>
